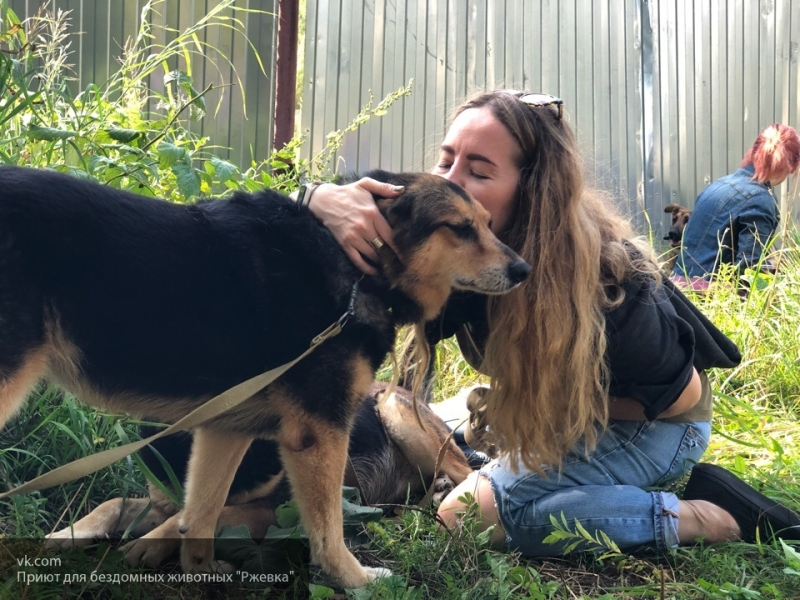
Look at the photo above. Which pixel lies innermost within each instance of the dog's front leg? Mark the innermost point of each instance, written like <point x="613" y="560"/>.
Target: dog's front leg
<point x="112" y="516"/>
<point x="215" y="457"/>
<point x="314" y="454"/>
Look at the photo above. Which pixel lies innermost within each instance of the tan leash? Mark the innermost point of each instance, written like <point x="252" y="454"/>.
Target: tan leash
<point x="207" y="411"/>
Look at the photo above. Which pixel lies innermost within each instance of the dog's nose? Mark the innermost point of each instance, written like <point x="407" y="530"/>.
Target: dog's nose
<point x="673" y="236"/>
<point x="518" y="271"/>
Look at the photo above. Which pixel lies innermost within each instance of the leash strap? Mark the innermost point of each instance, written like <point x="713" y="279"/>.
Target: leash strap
<point x="212" y="408"/>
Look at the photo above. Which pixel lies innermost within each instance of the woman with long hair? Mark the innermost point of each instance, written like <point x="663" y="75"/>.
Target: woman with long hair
<point x="598" y="394"/>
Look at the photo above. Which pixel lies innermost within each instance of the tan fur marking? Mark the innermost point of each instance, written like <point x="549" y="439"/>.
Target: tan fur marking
<point x="258" y="516"/>
<point x="316" y="474"/>
<point x="65" y="357"/>
<point x="426" y="279"/>
<point x="261" y="491"/>
<point x="15" y="388"/>
<point x="362" y="377"/>
<point x="114" y="515"/>
<point x="422" y="448"/>
<point x="212" y="466"/>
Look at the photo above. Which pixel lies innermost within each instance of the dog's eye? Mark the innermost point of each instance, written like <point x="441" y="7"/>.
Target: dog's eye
<point x="463" y="231"/>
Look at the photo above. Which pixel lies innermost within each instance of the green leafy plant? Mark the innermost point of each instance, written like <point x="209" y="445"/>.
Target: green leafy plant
<point x="579" y="538"/>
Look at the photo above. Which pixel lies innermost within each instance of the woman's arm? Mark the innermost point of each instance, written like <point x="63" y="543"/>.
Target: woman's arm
<point x="628" y="409"/>
<point x="351" y="215"/>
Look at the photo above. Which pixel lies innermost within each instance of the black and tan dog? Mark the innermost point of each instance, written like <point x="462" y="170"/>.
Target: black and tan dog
<point x="391" y="460"/>
<point x="680" y="217"/>
<point x="142" y="306"/>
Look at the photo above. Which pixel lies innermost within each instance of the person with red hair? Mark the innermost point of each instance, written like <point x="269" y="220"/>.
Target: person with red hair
<point x="736" y="217"/>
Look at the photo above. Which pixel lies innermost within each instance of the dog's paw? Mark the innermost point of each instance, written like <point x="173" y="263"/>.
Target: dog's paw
<point x="222" y="567"/>
<point x="149" y="552"/>
<point x="66" y="540"/>
<point x="441" y="488"/>
<point x="377" y="573"/>
<point x="362" y="578"/>
<point x="196" y="555"/>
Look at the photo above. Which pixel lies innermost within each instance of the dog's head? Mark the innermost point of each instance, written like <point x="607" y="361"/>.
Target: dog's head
<point x="680" y="216"/>
<point x="444" y="241"/>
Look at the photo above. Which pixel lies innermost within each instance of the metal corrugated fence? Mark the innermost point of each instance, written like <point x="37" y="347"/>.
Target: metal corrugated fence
<point x="103" y="27"/>
<point x="665" y="95"/>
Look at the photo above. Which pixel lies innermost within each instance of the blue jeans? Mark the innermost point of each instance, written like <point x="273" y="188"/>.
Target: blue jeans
<point x="609" y="491"/>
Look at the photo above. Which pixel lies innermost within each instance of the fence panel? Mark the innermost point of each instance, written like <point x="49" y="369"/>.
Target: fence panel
<point x="665" y="95"/>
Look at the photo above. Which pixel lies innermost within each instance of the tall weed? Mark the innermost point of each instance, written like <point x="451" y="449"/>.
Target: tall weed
<point x="122" y="132"/>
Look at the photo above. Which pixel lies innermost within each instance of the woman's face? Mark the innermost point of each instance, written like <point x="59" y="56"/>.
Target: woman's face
<point x="480" y="155"/>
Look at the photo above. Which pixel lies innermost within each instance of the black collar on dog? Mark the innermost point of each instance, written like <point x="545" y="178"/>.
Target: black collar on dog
<point x="352" y="304"/>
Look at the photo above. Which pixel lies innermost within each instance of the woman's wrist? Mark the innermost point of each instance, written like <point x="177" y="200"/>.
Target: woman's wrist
<point x="304" y="194"/>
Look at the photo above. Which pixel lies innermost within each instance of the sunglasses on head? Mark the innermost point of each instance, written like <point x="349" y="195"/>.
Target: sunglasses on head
<point x="537" y="100"/>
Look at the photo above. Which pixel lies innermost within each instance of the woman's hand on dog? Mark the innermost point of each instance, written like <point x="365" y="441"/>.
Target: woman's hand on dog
<point x="349" y="212"/>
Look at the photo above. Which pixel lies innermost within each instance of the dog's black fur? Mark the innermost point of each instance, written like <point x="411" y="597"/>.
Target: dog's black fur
<point x="181" y="298"/>
<point x="152" y="308"/>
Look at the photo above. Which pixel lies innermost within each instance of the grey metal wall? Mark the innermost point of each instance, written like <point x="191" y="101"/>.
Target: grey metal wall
<point x="665" y="95"/>
<point x="723" y="70"/>
<point x="102" y="27"/>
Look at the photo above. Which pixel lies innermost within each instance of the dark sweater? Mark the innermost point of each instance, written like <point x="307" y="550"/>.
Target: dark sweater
<point x="654" y="338"/>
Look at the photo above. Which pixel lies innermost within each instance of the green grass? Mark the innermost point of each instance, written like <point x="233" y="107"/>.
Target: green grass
<point x="55" y="429"/>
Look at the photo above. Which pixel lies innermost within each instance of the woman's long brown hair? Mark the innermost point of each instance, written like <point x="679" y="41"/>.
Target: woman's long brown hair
<point x="545" y="351"/>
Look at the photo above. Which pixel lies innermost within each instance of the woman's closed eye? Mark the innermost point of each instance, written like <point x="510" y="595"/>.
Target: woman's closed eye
<point x="444" y="167"/>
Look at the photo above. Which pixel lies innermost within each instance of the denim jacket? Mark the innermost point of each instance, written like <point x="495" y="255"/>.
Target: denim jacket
<point x="734" y="218"/>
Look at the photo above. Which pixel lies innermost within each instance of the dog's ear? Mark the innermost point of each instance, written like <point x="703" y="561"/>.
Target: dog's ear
<point x="671" y="208"/>
<point x="382" y="176"/>
<point x="376" y="174"/>
<point x="398" y="209"/>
